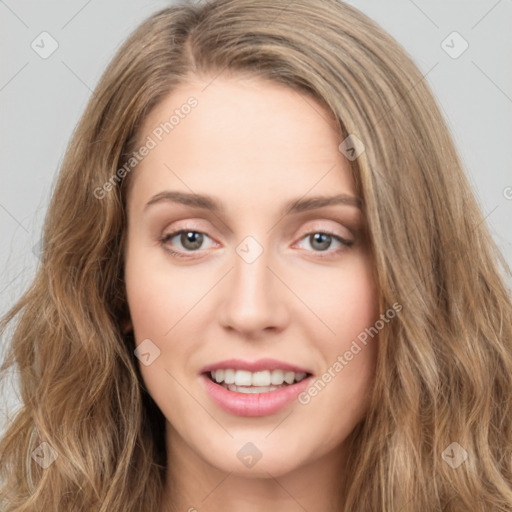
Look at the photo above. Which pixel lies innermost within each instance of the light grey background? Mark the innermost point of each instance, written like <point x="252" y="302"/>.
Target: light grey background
<point x="42" y="99"/>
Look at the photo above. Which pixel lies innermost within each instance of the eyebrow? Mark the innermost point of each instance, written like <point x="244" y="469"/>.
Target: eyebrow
<point x="207" y="202"/>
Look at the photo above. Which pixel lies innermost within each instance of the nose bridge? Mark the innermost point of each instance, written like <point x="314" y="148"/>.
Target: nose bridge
<point x="253" y="301"/>
<point x="251" y="277"/>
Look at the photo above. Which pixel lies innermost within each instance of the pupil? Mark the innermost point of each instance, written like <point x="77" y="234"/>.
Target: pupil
<point x="323" y="240"/>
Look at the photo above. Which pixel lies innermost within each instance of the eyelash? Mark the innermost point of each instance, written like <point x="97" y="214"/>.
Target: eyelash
<point x="346" y="244"/>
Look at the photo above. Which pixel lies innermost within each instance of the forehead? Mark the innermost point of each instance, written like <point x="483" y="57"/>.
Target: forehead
<point x="244" y="137"/>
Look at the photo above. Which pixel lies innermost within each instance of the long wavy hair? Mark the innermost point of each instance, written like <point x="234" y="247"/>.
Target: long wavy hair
<point x="444" y="369"/>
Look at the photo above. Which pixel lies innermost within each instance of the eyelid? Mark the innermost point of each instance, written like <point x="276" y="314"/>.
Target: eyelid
<point x="320" y="227"/>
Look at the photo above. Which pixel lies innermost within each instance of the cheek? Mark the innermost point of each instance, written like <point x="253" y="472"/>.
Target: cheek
<point x="358" y="299"/>
<point x="162" y="302"/>
<point x="345" y="299"/>
<point x="359" y="310"/>
<point x="158" y="297"/>
<point x="346" y="302"/>
<point x="154" y="310"/>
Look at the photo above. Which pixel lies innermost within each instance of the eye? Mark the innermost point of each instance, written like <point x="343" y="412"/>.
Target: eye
<point x="186" y="241"/>
<point x="321" y="241"/>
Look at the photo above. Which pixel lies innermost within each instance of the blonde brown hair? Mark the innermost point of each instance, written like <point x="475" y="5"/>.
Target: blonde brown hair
<point x="444" y="371"/>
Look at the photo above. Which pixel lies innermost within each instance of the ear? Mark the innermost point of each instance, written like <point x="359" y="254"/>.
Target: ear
<point x="126" y="325"/>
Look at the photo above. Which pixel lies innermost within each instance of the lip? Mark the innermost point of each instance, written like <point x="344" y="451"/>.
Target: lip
<point x="254" y="404"/>
<point x="254" y="366"/>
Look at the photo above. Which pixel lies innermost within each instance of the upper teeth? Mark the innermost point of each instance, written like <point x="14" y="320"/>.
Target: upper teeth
<point x="263" y="378"/>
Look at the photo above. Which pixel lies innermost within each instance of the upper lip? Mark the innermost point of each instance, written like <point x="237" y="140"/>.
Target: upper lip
<point x="254" y="366"/>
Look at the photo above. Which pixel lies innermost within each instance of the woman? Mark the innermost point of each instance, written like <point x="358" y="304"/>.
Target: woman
<point x="266" y="284"/>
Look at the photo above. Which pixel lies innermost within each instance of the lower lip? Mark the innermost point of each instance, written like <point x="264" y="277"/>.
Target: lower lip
<point x="253" y="404"/>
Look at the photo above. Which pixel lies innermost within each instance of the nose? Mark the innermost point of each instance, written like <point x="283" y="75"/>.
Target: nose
<point x="254" y="300"/>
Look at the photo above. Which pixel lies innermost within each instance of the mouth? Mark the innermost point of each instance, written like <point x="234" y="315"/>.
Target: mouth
<point x="259" y="388"/>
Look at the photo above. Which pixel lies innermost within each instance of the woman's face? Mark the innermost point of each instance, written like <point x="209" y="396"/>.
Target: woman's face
<point x="240" y="266"/>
